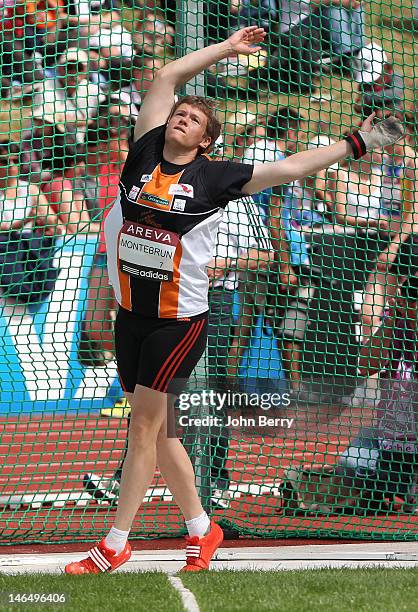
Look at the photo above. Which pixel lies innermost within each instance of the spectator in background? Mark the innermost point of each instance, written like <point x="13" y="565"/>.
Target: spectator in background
<point x="45" y="148"/>
<point x="223" y="17"/>
<point x="131" y="78"/>
<point x="18" y="41"/>
<point x="308" y="32"/>
<point x="311" y="200"/>
<point x="399" y="206"/>
<point x="247" y="12"/>
<point x="399" y="209"/>
<point x="107" y="145"/>
<point x="70" y="98"/>
<point x="70" y="195"/>
<point x="281" y="135"/>
<point x="155" y="38"/>
<point x="358" y="193"/>
<point x="381" y="85"/>
<point x="28" y="228"/>
<point x="409" y="24"/>
<point x="110" y="37"/>
<point x="21" y="203"/>
<point x="399" y="170"/>
<point x="142" y="75"/>
<point x="242" y="248"/>
<point x="46" y="13"/>
<point x="386" y="457"/>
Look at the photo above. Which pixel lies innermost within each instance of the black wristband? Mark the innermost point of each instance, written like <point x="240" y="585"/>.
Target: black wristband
<point x="357" y="143"/>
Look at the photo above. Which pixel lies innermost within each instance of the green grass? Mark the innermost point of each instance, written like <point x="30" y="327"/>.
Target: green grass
<point x="306" y="591"/>
<point x="330" y="590"/>
<point x="117" y="593"/>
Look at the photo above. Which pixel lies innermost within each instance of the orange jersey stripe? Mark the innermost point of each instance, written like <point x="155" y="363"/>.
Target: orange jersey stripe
<point x="169" y="290"/>
<point x="155" y="193"/>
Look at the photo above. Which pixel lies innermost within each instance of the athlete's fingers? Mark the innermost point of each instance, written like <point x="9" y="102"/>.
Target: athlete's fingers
<point x="253" y="28"/>
<point x="257" y="32"/>
<point x="257" y="36"/>
<point x="251" y="33"/>
<point x="367" y="124"/>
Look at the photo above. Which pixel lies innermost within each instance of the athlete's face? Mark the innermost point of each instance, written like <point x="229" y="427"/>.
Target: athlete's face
<point x="187" y="128"/>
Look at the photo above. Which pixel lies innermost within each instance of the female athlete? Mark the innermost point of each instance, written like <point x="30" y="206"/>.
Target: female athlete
<point x="160" y="236"/>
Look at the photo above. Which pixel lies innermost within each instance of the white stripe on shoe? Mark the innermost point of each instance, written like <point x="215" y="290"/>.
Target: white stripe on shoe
<point x="192" y="551"/>
<point x="188" y="599"/>
<point x="99" y="559"/>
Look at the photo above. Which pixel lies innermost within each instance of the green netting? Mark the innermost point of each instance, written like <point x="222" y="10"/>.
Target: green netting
<point x="300" y="276"/>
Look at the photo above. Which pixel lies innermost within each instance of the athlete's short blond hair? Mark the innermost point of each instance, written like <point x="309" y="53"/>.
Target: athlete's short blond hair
<point x="213" y="127"/>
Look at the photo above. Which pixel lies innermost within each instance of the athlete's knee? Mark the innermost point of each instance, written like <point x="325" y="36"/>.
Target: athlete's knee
<point x="142" y="438"/>
<point x="143" y="433"/>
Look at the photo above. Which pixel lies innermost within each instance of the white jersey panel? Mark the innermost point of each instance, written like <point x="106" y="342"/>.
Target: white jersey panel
<point x="198" y="247"/>
<point x="112" y="226"/>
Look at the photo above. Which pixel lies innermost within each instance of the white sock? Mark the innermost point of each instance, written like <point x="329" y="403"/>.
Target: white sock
<point x="199" y="525"/>
<point x="116" y="539"/>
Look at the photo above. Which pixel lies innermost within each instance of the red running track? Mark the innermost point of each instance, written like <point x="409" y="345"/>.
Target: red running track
<point x="51" y="454"/>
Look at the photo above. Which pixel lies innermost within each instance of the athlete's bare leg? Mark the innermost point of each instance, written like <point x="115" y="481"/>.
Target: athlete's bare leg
<point x="148" y="424"/>
<point x="149" y="410"/>
<point x="177" y="471"/>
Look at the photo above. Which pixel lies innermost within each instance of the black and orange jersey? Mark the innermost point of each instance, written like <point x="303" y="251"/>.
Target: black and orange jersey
<point x="161" y="231"/>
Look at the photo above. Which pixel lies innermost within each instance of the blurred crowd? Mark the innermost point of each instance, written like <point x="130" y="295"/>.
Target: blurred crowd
<point x="72" y="77"/>
<point x="76" y="72"/>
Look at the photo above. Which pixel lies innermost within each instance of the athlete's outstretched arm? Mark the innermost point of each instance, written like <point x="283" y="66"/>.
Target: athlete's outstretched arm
<point x="310" y="162"/>
<point x="159" y="100"/>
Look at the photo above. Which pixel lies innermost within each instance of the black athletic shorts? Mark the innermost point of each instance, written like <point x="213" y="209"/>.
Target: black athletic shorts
<point x="158" y="353"/>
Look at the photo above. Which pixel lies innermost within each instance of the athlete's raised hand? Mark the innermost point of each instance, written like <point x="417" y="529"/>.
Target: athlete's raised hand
<point x="245" y="41"/>
<point x="381" y="134"/>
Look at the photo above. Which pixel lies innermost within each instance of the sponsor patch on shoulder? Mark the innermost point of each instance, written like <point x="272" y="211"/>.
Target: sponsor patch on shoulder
<point x="146" y="178"/>
<point x="179" y="204"/>
<point x="181" y="189"/>
<point x="133" y="194"/>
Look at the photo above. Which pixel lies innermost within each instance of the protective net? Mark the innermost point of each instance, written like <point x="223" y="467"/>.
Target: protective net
<point x="294" y="427"/>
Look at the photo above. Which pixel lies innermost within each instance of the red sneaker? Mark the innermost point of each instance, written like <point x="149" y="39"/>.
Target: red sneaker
<point x="200" y="551"/>
<point x="99" y="559"/>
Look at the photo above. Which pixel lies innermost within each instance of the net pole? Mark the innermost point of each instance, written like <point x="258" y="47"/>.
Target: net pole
<point x="191" y="37"/>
